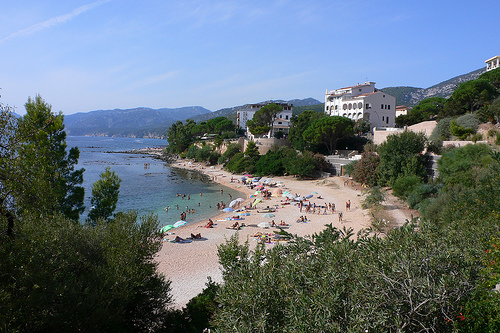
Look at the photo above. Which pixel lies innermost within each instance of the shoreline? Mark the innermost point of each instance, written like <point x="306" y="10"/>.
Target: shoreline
<point x="188" y="265"/>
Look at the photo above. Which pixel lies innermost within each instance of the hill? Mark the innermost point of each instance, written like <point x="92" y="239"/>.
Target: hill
<point x="137" y="122"/>
<point x="411" y="96"/>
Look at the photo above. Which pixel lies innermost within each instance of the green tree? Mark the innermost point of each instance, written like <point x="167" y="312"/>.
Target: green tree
<point x="469" y="97"/>
<point x="426" y="109"/>
<point x="365" y="170"/>
<point x="362" y="126"/>
<point x="328" y="131"/>
<point x="402" y="155"/>
<point x="105" y="192"/>
<point x="263" y="119"/>
<point x="59" y="276"/>
<point x="300" y="124"/>
<point x="180" y="136"/>
<point x="47" y="180"/>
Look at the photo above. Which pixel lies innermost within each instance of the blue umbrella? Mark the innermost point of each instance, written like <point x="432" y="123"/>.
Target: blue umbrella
<point x="179" y="224"/>
<point x="309" y="196"/>
<point x="228" y="209"/>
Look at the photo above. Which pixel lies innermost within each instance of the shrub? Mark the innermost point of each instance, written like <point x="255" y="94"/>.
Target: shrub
<point x="442" y="130"/>
<point x="374" y="197"/>
<point x="349" y="168"/>
<point x="419" y="193"/>
<point x="403" y="186"/>
<point x="191" y="153"/>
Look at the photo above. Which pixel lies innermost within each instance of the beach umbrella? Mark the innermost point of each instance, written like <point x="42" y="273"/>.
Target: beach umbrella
<point x="243" y="178"/>
<point x="259" y="186"/>
<point x="243" y="214"/>
<point x="315" y="192"/>
<point x="279" y="182"/>
<point x="256" y="192"/>
<point x="264" y="225"/>
<point x="179" y="224"/>
<point x="166" y="228"/>
<point x="309" y="196"/>
<point x="256" y="202"/>
<point x="298" y="199"/>
<point x="232" y="203"/>
<point x="240" y="199"/>
<point x="268" y="215"/>
<point x="228" y="209"/>
<point x="248" y="175"/>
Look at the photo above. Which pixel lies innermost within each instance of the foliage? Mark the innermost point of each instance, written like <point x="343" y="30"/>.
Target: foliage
<point x="401" y="155"/>
<point x="492" y="77"/>
<point x="179" y="136"/>
<point x="262" y="121"/>
<point x="300" y="124"/>
<point x="304" y="164"/>
<point x="407" y="281"/>
<point x="420" y="193"/>
<point x="349" y="168"/>
<point x="105" y="192"/>
<point x="271" y="163"/>
<point x="231" y="150"/>
<point x="469" y="97"/>
<point x="374" y="197"/>
<point x="427" y="109"/>
<point x="491" y="113"/>
<point x="361" y="126"/>
<point x="365" y="170"/>
<point x="328" y="130"/>
<point x="60" y="276"/>
<point x="46" y="179"/>
<point x="442" y="130"/>
<point x="463" y="165"/>
<point x="403" y="186"/>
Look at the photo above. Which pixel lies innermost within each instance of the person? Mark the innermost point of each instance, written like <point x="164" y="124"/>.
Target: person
<point x="273" y="224"/>
<point x="340" y="217"/>
<point x="210" y="224"/>
<point x="197" y="236"/>
<point x="178" y="239"/>
<point x="235" y="226"/>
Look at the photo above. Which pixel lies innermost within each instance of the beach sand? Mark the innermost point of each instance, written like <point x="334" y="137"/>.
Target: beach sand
<point x="188" y="265"/>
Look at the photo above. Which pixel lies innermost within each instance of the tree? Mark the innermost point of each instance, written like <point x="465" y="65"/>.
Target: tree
<point x="328" y="131"/>
<point x="365" y="170"/>
<point x="362" y="126"/>
<point x="427" y="109"/>
<point x="105" y="192"/>
<point x="8" y="140"/>
<point x="262" y="121"/>
<point x="469" y="97"/>
<point x="180" y="136"/>
<point x="402" y="155"/>
<point x="300" y="124"/>
<point x="46" y="178"/>
<point x="59" y="276"/>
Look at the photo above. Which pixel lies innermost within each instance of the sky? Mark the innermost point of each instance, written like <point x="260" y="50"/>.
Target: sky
<point x="84" y="55"/>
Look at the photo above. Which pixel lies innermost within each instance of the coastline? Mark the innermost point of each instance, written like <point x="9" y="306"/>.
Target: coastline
<point x="188" y="265"/>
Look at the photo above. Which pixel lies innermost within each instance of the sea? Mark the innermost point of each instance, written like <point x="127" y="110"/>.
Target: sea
<point x="148" y="184"/>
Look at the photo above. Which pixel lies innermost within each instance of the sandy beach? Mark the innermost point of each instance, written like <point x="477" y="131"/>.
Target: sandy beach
<point x="188" y="265"/>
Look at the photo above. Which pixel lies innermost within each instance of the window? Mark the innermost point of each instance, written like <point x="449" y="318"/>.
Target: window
<point x="360" y="105"/>
<point x="382" y="118"/>
<point x="327" y="108"/>
<point x="286" y="117"/>
<point x="336" y="107"/>
<point x="387" y="120"/>
<point x="367" y="106"/>
<point x="382" y="106"/>
<point x="279" y="123"/>
<point x="389" y="106"/>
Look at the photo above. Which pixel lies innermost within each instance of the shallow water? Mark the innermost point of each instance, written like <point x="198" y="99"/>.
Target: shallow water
<point x="148" y="189"/>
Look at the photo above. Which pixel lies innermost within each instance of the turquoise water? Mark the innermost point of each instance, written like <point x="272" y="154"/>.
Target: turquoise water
<point x="150" y="189"/>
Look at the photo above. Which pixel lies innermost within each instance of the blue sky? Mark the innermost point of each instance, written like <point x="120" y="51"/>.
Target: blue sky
<point x="83" y="55"/>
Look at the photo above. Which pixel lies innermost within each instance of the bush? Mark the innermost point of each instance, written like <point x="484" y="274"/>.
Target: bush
<point x="374" y="197"/>
<point x="442" y="130"/>
<point x="349" y="168"/>
<point x="191" y="153"/>
<point x="403" y="186"/>
<point x="419" y="193"/>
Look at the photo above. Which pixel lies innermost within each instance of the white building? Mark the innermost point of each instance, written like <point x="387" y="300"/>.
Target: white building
<point x="492" y="63"/>
<point x="281" y="123"/>
<point x="401" y="110"/>
<point x="362" y="101"/>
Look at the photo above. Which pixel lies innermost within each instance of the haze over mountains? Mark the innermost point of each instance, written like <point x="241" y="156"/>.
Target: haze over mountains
<point x="154" y="123"/>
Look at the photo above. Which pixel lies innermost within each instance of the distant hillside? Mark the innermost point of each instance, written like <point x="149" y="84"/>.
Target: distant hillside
<point x="411" y="96"/>
<point x="138" y="122"/>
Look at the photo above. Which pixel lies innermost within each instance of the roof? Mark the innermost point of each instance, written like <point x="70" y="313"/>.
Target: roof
<point x="490" y="59"/>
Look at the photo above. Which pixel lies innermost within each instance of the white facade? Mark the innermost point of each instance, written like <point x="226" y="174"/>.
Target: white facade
<point x="282" y="122"/>
<point x="362" y="101"/>
<point x="492" y="63"/>
<point x="401" y="110"/>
